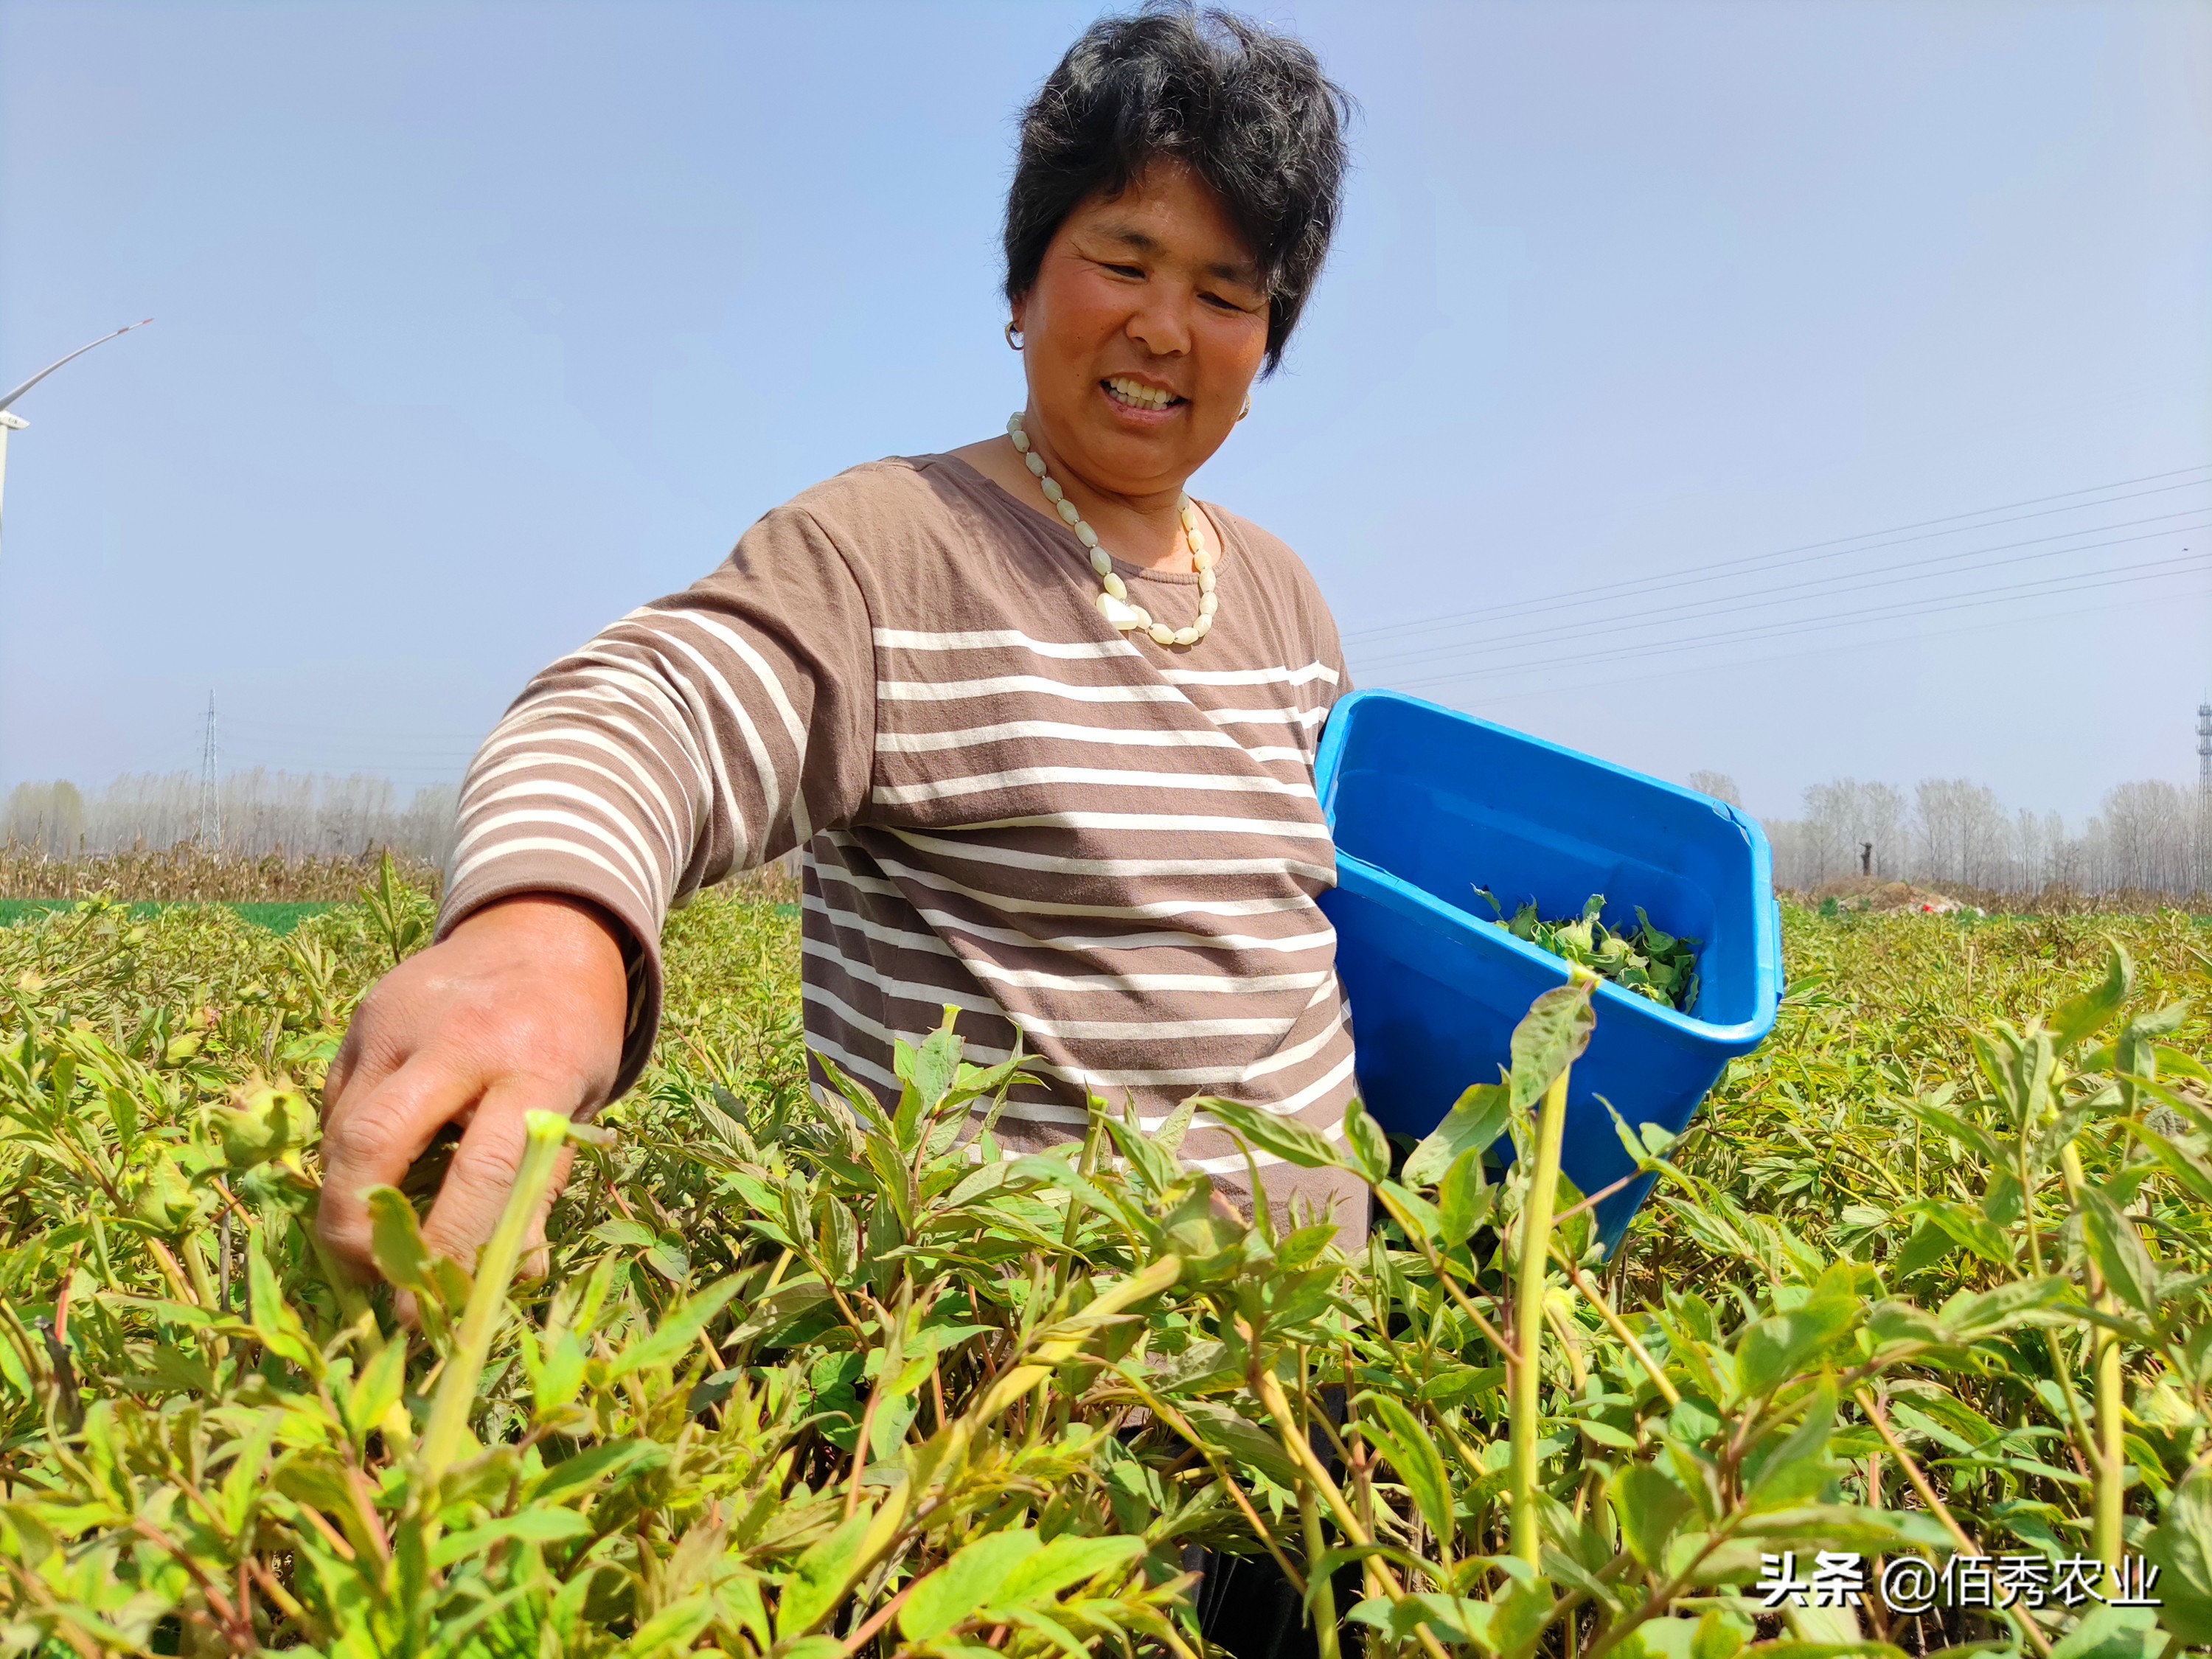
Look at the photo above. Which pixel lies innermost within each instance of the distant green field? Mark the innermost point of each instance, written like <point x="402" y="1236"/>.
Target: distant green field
<point x="276" y="918"/>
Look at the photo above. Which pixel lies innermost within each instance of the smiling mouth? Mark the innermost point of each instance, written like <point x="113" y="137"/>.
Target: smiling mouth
<point x="1135" y="394"/>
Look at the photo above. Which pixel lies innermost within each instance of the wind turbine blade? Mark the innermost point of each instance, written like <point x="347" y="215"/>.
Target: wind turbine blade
<point x="58" y="361"/>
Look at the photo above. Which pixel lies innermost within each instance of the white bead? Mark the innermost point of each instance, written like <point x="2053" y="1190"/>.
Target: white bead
<point x="1202" y="627"/>
<point x="1162" y="634"/>
<point x="1208" y="604"/>
<point x="1189" y="514"/>
<point x="1036" y="463"/>
<point x="1114" y="584"/>
<point x="1144" y="617"/>
<point x="1101" y="560"/>
<point x="1105" y="602"/>
<point x="1205" y="580"/>
<point x="1201" y="561"/>
<point x="1014" y="424"/>
<point x="1185" y="636"/>
<point x="1067" y="510"/>
<point x="1086" y="535"/>
<point x="1052" y="492"/>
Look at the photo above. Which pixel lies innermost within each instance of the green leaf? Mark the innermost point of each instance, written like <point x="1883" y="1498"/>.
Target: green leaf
<point x="2113" y="1633"/>
<point x="396" y="1241"/>
<point x="1473" y="1124"/>
<point x="1795" y="1471"/>
<point x="1464" y="1201"/>
<point x="928" y="1072"/>
<point x="1414" y="1456"/>
<point x="2180" y="1547"/>
<point x="2176" y="1062"/>
<point x="1963" y="1129"/>
<point x="1409" y="1210"/>
<point x="274" y="1321"/>
<point x="1972" y="1315"/>
<point x="1286" y="1138"/>
<point x="1168" y="1136"/>
<point x="1155" y="1166"/>
<point x="2136" y="1051"/>
<point x="1370" y="1147"/>
<point x="2189" y="1170"/>
<point x="1068" y="1559"/>
<point x="601" y="1464"/>
<point x="676" y="1332"/>
<point x="546" y="1526"/>
<point x="818" y="1580"/>
<point x="1775" y="1349"/>
<point x="2082" y="1016"/>
<point x="1550" y="1038"/>
<point x="965" y="1584"/>
<point x="1968" y="1227"/>
<point x="1928" y="1245"/>
<point x="2128" y="1272"/>
<point x="1241" y="1440"/>
<point x="625" y="1234"/>
<point x="1648" y="1506"/>
<point x="377" y="1389"/>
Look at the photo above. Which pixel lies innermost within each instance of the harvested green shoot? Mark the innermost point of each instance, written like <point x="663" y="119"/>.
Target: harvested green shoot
<point x="1646" y="960"/>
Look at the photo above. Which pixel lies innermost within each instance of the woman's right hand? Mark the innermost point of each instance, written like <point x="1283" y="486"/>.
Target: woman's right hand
<point x="523" y="1007"/>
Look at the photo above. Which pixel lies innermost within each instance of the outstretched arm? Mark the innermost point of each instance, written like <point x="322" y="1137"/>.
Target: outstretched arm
<point x="697" y="737"/>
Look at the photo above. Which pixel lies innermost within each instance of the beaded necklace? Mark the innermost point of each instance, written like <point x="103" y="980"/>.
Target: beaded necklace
<point x="1114" y="602"/>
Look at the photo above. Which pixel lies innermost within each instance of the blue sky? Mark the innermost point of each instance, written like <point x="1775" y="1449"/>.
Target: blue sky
<point x="477" y="324"/>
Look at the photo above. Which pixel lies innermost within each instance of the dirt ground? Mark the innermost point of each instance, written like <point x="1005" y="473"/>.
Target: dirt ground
<point x="1885" y="898"/>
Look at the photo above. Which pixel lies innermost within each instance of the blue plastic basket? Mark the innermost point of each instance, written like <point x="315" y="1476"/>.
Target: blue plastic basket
<point x="1427" y="804"/>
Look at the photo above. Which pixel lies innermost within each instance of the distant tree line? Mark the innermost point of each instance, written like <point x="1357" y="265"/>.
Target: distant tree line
<point x="263" y="814"/>
<point x="1952" y="832"/>
<point x="1947" y="832"/>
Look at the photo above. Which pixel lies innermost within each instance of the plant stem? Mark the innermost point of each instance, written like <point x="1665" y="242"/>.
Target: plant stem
<point x="1618" y="1326"/>
<point x="1966" y="1545"/>
<point x="1323" y="1593"/>
<point x="2112" y="1453"/>
<point x="457" y="1384"/>
<point x="1528" y="1320"/>
<point x="2111" y="1465"/>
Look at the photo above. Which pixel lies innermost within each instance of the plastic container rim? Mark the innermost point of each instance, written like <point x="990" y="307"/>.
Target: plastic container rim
<point x="1767" y="941"/>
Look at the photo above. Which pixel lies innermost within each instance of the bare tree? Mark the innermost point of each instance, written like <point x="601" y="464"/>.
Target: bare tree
<point x="1719" y="785"/>
<point x="1964" y="835"/>
<point x="2150" y="832"/>
<point x="263" y="813"/>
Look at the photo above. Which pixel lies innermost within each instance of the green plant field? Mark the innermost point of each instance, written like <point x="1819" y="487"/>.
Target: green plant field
<point x="1927" y="1281"/>
<point x="277" y="916"/>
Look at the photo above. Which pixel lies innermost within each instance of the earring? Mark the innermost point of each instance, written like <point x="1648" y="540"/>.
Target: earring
<point x="1247" y="409"/>
<point x="1012" y="343"/>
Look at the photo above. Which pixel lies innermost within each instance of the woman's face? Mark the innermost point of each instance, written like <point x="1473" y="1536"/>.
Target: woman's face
<point x="1142" y="335"/>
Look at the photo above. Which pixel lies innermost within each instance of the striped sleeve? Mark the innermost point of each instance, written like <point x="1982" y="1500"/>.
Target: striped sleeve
<point x="699" y="736"/>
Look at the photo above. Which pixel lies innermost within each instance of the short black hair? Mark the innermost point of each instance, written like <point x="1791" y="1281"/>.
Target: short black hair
<point x="1248" y="110"/>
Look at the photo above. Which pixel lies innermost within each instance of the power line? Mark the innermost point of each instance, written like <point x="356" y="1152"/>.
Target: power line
<point x="262" y="723"/>
<point x="1914" y="607"/>
<point x="1798" y="656"/>
<point x="1812" y="552"/>
<point x="1756" y="599"/>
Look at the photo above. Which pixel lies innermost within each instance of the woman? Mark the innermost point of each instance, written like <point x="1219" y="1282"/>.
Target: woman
<point x="1044" y="727"/>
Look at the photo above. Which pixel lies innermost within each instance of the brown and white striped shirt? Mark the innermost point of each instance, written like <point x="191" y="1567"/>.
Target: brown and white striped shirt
<point x="1005" y="804"/>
